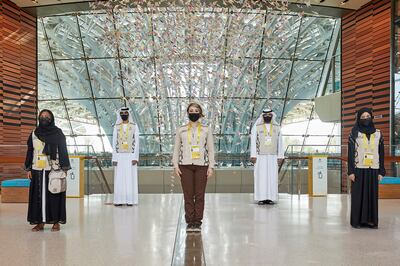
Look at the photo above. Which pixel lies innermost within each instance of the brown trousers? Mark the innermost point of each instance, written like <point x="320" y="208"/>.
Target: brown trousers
<point x="194" y="181"/>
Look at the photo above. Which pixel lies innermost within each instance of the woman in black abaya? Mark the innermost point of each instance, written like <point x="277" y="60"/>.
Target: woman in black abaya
<point x="365" y="169"/>
<point x="46" y="144"/>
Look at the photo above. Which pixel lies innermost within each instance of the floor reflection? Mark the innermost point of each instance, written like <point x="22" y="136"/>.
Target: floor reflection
<point x="194" y="254"/>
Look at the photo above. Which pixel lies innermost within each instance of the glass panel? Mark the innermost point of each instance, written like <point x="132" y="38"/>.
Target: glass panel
<point x="93" y="29"/>
<point x="48" y="87"/>
<point x="170" y="43"/>
<point x="234" y="144"/>
<point x="245" y="35"/>
<point x="150" y="144"/>
<point x="145" y="115"/>
<point x="138" y="77"/>
<point x="294" y="128"/>
<point x="172" y="114"/>
<point x="236" y="117"/>
<point x="60" y="114"/>
<point x="173" y="78"/>
<point x="63" y="35"/>
<point x="92" y="141"/>
<point x="107" y="111"/>
<point x="280" y="36"/>
<point x="43" y="49"/>
<point x="208" y="29"/>
<point x="135" y="31"/>
<point x="334" y="146"/>
<point x="313" y="144"/>
<point x="168" y="142"/>
<point x="296" y="141"/>
<point x="104" y="77"/>
<point x="296" y="111"/>
<point x="305" y="79"/>
<point x="83" y="117"/>
<point x="274" y="78"/>
<point x="317" y="127"/>
<point x="315" y="36"/>
<point x="107" y="140"/>
<point x="73" y="79"/>
<point x="206" y="78"/>
<point x="241" y="78"/>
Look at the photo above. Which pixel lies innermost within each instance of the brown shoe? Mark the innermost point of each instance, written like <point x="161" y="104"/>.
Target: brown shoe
<point x="55" y="228"/>
<point x="38" y="227"/>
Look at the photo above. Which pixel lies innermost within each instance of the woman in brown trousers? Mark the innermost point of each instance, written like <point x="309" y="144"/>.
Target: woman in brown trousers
<point x="194" y="162"/>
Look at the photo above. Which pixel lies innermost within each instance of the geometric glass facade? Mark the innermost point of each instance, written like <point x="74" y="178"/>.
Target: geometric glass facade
<point x="234" y="62"/>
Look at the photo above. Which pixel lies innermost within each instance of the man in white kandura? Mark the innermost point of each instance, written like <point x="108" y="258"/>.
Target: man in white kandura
<point x="266" y="151"/>
<point x="125" y="158"/>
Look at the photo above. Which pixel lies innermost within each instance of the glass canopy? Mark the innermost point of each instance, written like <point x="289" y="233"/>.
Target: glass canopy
<point x="234" y="62"/>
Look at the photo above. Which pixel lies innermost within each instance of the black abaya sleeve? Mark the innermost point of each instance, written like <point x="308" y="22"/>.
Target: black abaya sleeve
<point x="382" y="170"/>
<point x="351" y="147"/>
<point x="29" y="155"/>
<point x="63" y="154"/>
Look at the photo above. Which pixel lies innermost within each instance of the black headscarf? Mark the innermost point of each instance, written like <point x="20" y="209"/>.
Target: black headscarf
<point x="359" y="127"/>
<point x="54" y="140"/>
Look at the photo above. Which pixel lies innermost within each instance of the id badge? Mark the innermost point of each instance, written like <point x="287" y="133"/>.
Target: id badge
<point x="195" y="152"/>
<point x="41" y="162"/>
<point x="368" y="159"/>
<point x="268" y="141"/>
<point x="125" y="145"/>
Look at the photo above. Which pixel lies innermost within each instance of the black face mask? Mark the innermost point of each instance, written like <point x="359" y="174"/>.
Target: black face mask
<point x="124" y="117"/>
<point x="366" y="122"/>
<point x="267" y="119"/>
<point x="194" y="117"/>
<point x="44" y="121"/>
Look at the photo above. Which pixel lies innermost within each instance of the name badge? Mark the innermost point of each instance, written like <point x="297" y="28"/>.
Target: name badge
<point x="195" y="152"/>
<point x="41" y="162"/>
<point x="125" y="145"/>
<point x="268" y="141"/>
<point x="368" y="159"/>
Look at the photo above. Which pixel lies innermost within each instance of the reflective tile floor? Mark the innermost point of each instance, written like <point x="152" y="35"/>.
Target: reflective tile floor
<point x="296" y="231"/>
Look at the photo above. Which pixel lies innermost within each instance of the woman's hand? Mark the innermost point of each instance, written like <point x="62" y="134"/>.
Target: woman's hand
<point x="29" y="175"/>
<point x="134" y="162"/>
<point x="210" y="172"/>
<point x="178" y="171"/>
<point x="380" y="177"/>
<point x="253" y="160"/>
<point x="352" y="177"/>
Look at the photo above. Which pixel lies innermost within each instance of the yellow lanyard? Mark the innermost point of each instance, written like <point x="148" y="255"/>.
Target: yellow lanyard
<point x="124" y="134"/>
<point x="190" y="134"/>
<point x="270" y="133"/>
<point x="369" y="144"/>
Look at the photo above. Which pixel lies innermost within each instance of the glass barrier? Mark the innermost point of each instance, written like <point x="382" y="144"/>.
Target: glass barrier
<point x="293" y="173"/>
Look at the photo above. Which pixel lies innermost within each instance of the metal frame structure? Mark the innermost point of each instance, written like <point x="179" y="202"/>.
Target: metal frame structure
<point x="307" y="65"/>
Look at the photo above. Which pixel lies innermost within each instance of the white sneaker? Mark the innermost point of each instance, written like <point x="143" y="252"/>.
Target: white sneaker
<point x="190" y="228"/>
<point x="197" y="228"/>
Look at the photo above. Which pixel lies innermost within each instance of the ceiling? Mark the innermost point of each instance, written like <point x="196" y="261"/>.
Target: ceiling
<point x="351" y="4"/>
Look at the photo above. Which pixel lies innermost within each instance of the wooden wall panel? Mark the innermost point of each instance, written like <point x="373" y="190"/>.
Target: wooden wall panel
<point x="366" y="68"/>
<point x="18" y="95"/>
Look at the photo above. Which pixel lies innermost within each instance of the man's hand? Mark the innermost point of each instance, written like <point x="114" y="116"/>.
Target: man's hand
<point x="352" y="177"/>
<point x="29" y="175"/>
<point x="114" y="163"/>
<point x="134" y="162"/>
<point x="253" y="159"/>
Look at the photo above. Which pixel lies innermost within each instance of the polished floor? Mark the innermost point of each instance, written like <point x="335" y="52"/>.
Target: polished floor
<point x="297" y="231"/>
